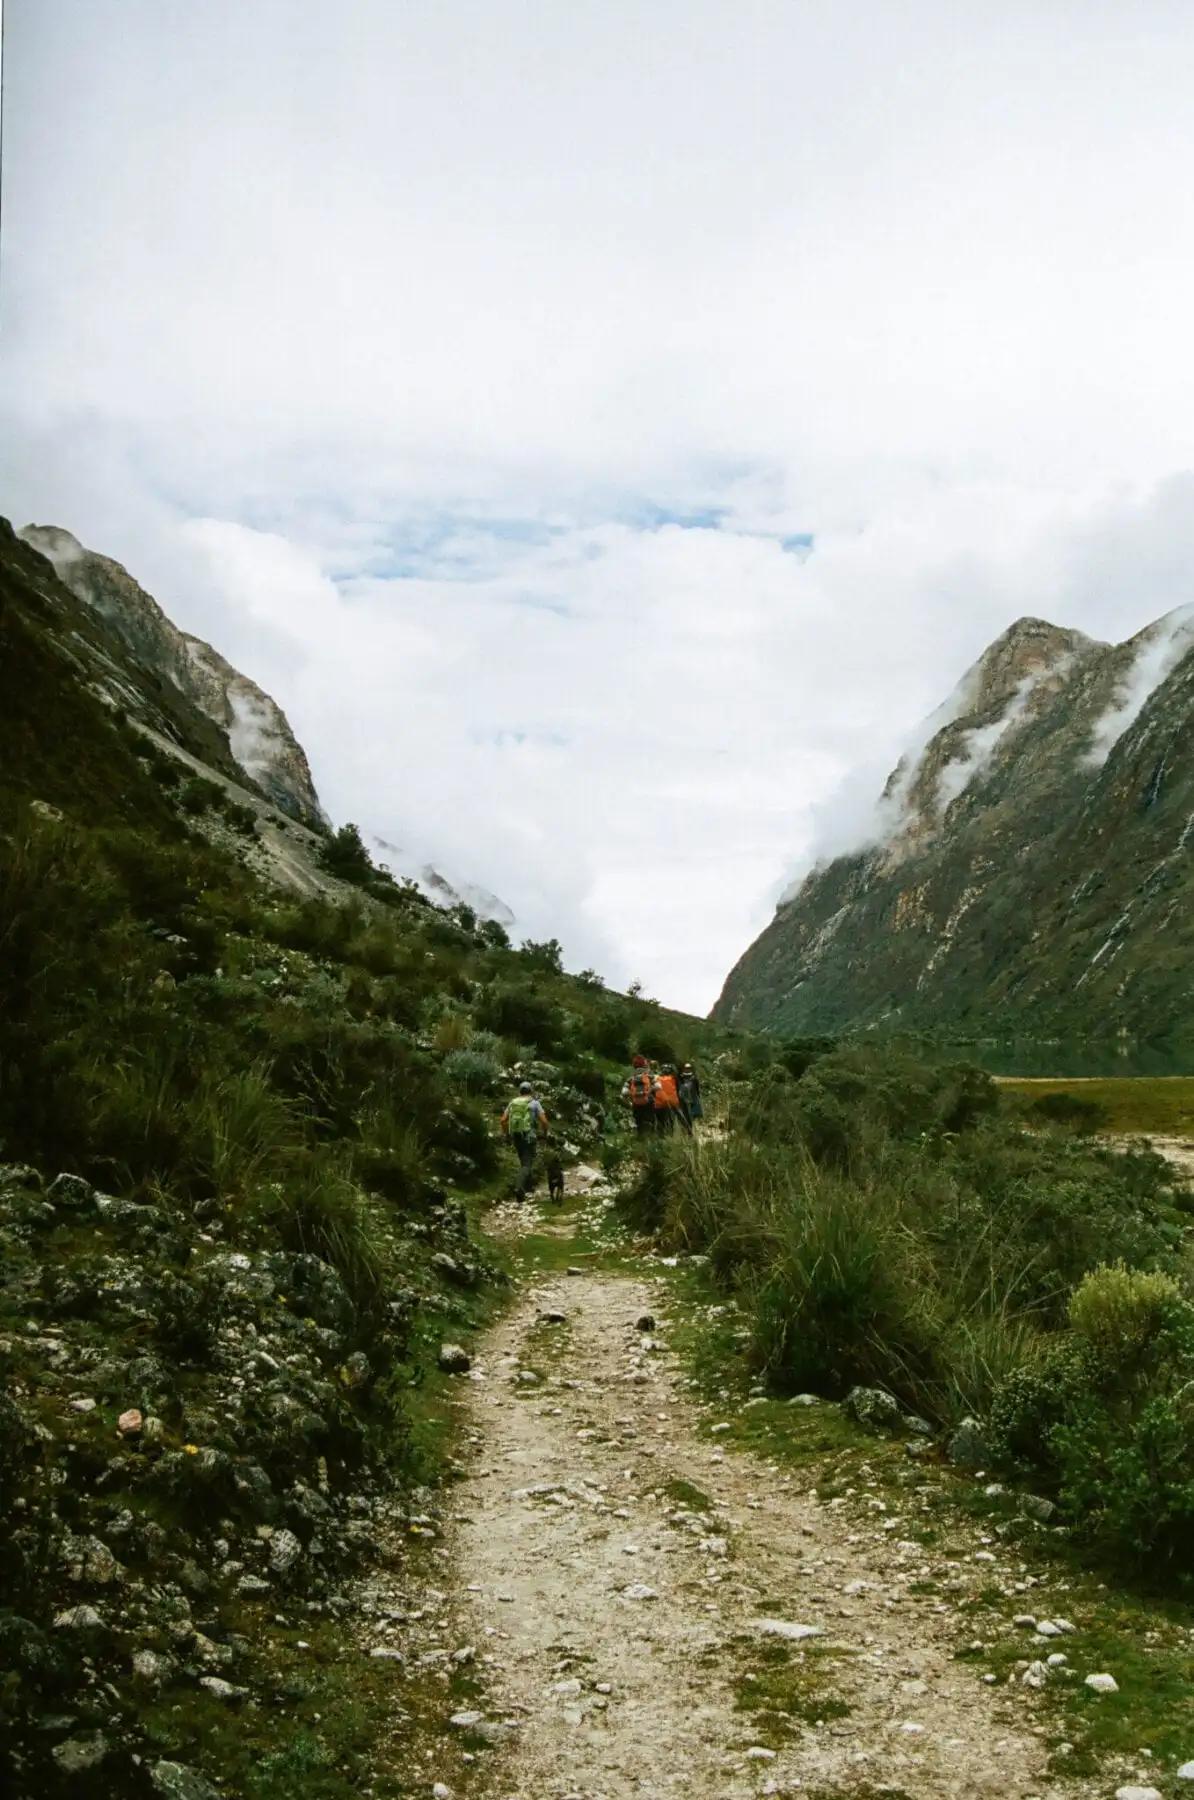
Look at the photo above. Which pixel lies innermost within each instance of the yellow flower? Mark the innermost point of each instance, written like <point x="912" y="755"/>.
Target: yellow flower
<point x="191" y="1449"/>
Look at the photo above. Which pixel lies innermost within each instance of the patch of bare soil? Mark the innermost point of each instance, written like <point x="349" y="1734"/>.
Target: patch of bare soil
<point x="623" y="1582"/>
<point x="1177" y="1151"/>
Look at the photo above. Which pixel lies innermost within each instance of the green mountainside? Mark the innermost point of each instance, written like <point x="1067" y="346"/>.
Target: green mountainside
<point x="1030" y="867"/>
<point x="249" y="1093"/>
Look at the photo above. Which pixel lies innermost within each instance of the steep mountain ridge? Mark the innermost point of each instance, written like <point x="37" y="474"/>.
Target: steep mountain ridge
<point x="196" y="707"/>
<point x="255" y="728"/>
<point x="1027" y="866"/>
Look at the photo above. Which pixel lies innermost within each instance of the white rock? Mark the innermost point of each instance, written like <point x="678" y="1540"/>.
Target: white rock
<point x="1034" y="1675"/>
<point x="441" y="1792"/>
<point x="782" y="1628"/>
<point x="805" y="1400"/>
<point x="383" y="1653"/>
<point x="284" y="1551"/>
<point x="1025" y="1621"/>
<point x="148" y="1665"/>
<point x="1047" y="1628"/>
<point x="78" y="1754"/>
<point x="1103" y="1684"/>
<point x="82" y="1406"/>
<point x="567" y="1687"/>
<point x="724" y="1426"/>
<point x="1186" y="1772"/>
<point x="1057" y="1660"/>
<point x="913" y="1730"/>
<point x="1065" y="1625"/>
<point x="1137" y="1793"/>
<point x="638" y="1590"/>
<point x="221" y="1690"/>
<point x="78" y="1618"/>
<point x="757" y="1753"/>
<point x="466" y="1721"/>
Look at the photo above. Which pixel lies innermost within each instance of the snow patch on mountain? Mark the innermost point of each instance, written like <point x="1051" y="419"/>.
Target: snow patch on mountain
<point x="1162" y="646"/>
<point x="982" y="743"/>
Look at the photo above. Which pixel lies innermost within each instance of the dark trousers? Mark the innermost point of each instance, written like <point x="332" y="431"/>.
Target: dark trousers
<point x="644" y="1117"/>
<point x="525" y="1146"/>
<point x="665" y="1119"/>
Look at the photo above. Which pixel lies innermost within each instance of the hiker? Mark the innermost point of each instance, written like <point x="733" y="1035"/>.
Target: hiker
<point x="522" y="1122"/>
<point x="667" y="1100"/>
<point x="639" y="1090"/>
<point x="688" y="1087"/>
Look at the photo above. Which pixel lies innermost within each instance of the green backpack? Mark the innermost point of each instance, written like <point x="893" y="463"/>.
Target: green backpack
<point x="521" y="1118"/>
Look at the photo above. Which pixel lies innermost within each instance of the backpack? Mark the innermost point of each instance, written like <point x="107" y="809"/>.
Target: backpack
<point x="665" y="1094"/>
<point x="520" y="1116"/>
<point x="640" y="1087"/>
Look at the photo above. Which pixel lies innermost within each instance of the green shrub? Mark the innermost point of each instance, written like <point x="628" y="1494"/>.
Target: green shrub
<point x="472" y="1071"/>
<point x="453" y="1031"/>
<point x="320" y="1211"/>
<point x="343" y="854"/>
<point x="198" y="795"/>
<point x="520" y="1011"/>
<point x="608" y="1032"/>
<point x="655" y="1044"/>
<point x="883" y="1222"/>
<point x="1070" y="1110"/>
<point x="1120" y="1312"/>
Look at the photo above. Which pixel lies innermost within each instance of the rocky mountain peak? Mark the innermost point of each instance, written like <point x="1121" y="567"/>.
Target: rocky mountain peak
<point x="253" y="726"/>
<point x="1029" y="860"/>
<point x="976" y="730"/>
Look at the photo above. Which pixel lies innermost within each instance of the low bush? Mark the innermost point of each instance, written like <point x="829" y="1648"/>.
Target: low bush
<point x="1070" y="1110"/>
<point x="472" y="1071"/>
<point x="518" y="1010"/>
<point x="883" y="1222"/>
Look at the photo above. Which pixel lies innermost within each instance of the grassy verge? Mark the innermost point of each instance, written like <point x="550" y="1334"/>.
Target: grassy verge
<point x="1164" y="1105"/>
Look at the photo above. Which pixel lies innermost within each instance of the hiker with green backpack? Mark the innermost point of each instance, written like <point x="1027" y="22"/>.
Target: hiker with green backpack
<point x="523" y="1122"/>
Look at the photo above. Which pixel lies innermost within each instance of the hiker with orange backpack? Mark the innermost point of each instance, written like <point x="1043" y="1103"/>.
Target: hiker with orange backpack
<point x="639" y="1090"/>
<point x="667" y="1100"/>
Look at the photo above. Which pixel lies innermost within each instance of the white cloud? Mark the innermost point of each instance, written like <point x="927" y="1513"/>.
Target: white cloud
<point x="1161" y="648"/>
<point x="382" y="343"/>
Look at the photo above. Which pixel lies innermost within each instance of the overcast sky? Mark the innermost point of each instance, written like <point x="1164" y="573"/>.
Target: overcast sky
<point x="607" y="429"/>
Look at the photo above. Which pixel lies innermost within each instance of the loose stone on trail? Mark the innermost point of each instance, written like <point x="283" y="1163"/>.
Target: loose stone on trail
<point x="454" y="1359"/>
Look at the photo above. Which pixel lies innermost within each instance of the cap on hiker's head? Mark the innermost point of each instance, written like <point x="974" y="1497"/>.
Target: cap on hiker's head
<point x="640" y="1062"/>
<point x="524" y="1087"/>
<point x="687" y="1069"/>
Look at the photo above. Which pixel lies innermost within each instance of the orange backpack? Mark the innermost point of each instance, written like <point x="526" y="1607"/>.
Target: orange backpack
<point x="665" y="1093"/>
<point x="640" y="1088"/>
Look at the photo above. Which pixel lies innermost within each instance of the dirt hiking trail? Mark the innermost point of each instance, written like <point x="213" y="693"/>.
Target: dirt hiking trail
<point x="616" y="1570"/>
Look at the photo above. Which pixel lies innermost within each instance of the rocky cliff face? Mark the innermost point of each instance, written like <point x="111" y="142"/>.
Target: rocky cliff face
<point x="253" y="727"/>
<point x="1030" y="865"/>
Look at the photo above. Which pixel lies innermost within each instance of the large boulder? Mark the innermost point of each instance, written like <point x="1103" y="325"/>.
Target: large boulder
<point x="873" y="1408"/>
<point x="968" y="1446"/>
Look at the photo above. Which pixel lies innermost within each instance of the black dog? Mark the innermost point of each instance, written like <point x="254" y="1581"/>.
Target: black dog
<point x="555" y="1177"/>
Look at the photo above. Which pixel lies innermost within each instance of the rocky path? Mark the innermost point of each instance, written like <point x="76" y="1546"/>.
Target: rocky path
<point x="632" y="1593"/>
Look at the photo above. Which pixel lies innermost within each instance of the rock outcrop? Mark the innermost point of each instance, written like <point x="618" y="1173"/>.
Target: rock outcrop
<point x="253" y="726"/>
